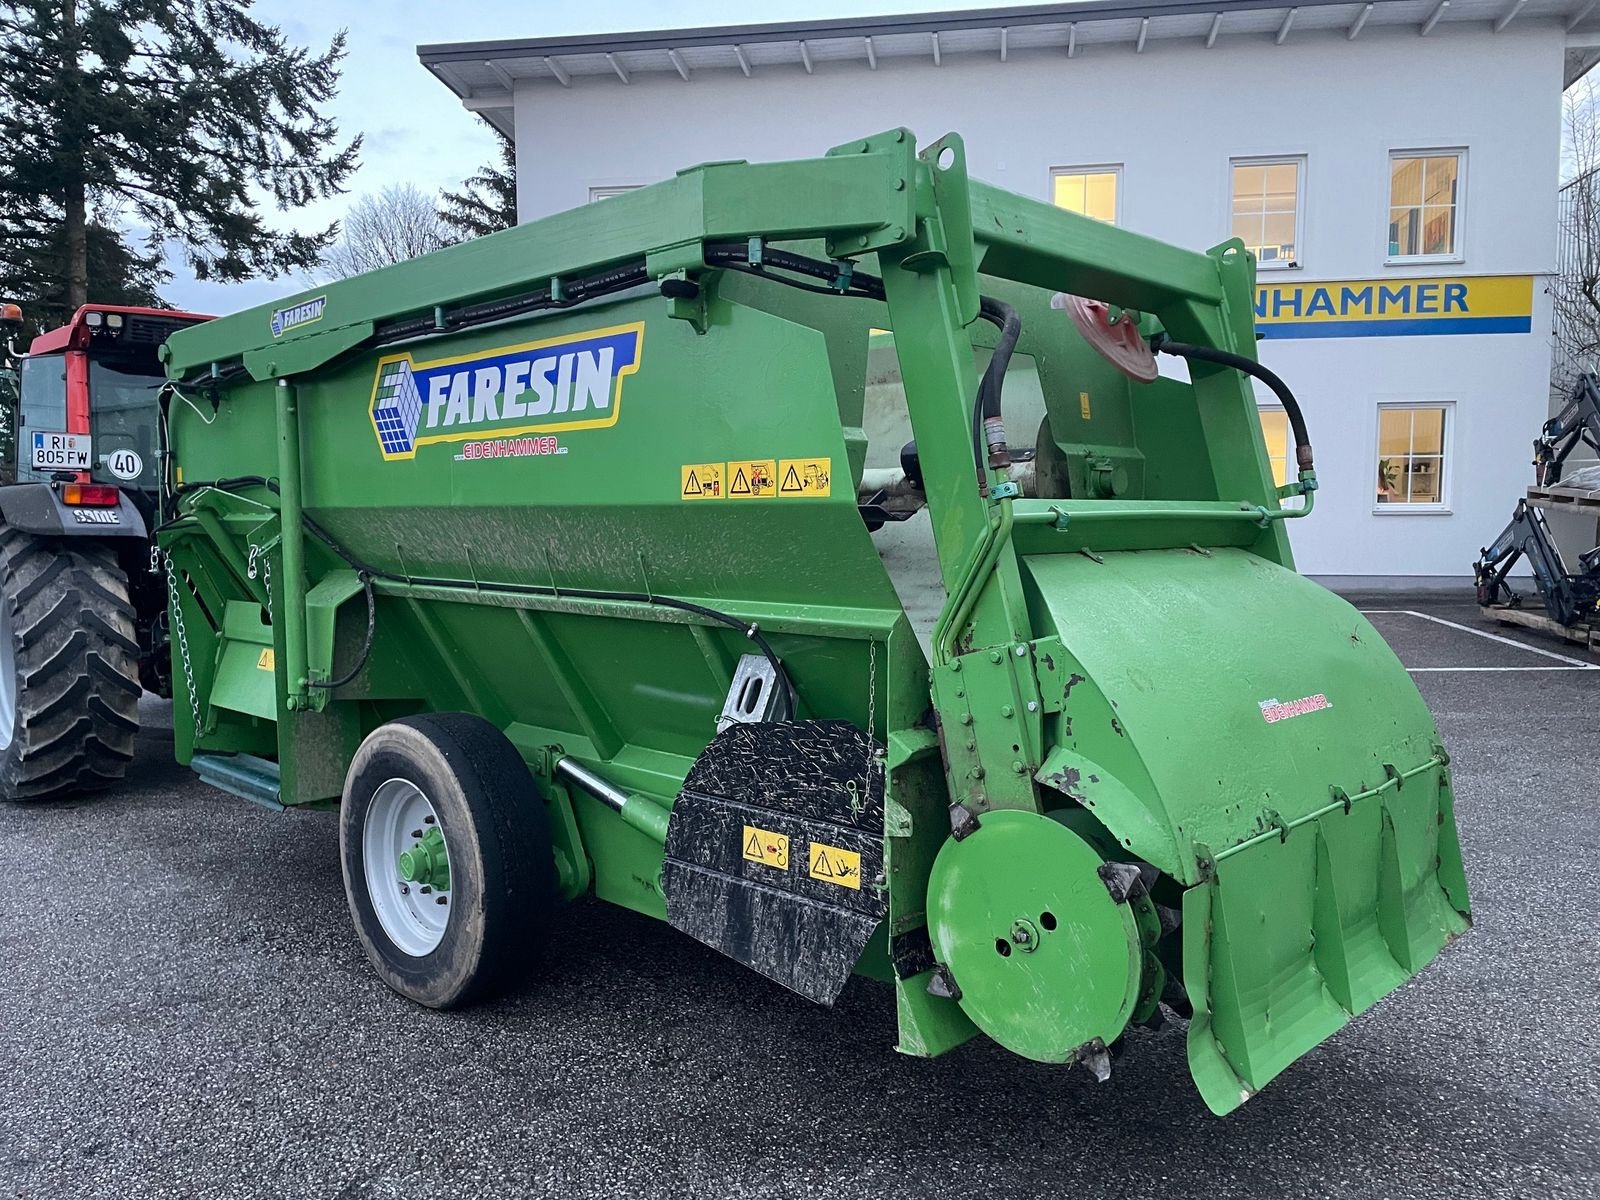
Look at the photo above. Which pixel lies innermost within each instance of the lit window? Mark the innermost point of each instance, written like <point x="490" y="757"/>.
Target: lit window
<point x="605" y="193"/>
<point x="1091" y="191"/>
<point x="1411" y="454"/>
<point x="1425" y="204"/>
<point x="1266" y="209"/>
<point x="1275" y="431"/>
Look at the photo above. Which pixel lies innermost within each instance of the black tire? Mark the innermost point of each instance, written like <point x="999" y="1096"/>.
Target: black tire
<point x="501" y="867"/>
<point x="69" y="661"/>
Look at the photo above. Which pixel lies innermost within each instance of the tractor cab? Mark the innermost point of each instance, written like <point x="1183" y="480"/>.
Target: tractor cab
<point x="87" y="408"/>
<point x="80" y="418"/>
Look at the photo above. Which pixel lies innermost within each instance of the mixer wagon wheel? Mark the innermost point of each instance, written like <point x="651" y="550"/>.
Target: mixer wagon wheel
<point x="447" y="862"/>
<point x="69" y="667"/>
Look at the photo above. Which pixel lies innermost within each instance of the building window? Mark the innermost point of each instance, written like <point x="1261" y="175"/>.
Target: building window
<point x="1412" y="454"/>
<point x="1092" y="191"/>
<point x="1275" y="432"/>
<point x="1266" y="208"/>
<point x="1425" y="204"/>
<point x="605" y="193"/>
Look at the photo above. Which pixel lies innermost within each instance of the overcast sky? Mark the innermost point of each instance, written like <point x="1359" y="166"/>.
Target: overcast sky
<point x="416" y="130"/>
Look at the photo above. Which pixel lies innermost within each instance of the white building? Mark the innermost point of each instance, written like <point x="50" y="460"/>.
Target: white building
<point x="1393" y="163"/>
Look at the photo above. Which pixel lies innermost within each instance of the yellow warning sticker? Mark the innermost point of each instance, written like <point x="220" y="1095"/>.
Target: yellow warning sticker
<point x="753" y="479"/>
<point x="804" y="476"/>
<point x="831" y="864"/>
<point x="702" y="481"/>
<point x="1083" y="404"/>
<point x="765" y="847"/>
<point x="267" y="660"/>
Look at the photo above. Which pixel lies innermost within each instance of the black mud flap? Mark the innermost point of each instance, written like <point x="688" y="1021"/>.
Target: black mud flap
<point x="775" y="851"/>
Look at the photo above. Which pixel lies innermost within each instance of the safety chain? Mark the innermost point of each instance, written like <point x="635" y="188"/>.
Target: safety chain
<point x="266" y="576"/>
<point x="158" y="557"/>
<point x="872" y="715"/>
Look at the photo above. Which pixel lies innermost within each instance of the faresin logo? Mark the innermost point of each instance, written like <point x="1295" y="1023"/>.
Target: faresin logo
<point x="307" y="312"/>
<point x="571" y="382"/>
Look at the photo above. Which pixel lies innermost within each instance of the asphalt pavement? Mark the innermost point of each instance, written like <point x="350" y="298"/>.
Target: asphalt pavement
<point x="185" y="1011"/>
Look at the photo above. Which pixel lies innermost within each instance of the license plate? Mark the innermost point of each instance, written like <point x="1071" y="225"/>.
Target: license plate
<point x="61" y="451"/>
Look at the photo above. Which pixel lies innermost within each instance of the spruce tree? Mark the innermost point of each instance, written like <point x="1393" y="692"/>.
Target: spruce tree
<point x="487" y="201"/>
<point x="187" y="115"/>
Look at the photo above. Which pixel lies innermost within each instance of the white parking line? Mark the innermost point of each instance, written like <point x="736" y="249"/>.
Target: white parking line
<point x="1573" y="664"/>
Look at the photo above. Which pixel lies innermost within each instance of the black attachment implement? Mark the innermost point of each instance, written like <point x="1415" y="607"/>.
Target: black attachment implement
<point x="1568" y="598"/>
<point x="1577" y="423"/>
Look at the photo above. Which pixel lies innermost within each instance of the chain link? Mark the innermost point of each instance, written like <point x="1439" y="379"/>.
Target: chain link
<point x="260" y="553"/>
<point x="175" y="607"/>
<point x="872" y="715"/>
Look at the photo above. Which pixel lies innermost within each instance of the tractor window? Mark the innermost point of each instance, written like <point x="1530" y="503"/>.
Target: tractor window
<point x="44" y="406"/>
<point x="123" y="416"/>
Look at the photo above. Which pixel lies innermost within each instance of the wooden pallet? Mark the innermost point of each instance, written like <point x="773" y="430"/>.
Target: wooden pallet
<point x="1585" y="635"/>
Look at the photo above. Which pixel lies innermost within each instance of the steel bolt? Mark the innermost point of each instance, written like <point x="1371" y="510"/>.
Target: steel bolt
<point x="1020" y="767"/>
<point x="955" y="664"/>
<point x="994" y="656"/>
<point x="1022" y="651"/>
<point x="1005" y="710"/>
<point x="966" y="718"/>
<point x="1033" y="706"/>
<point x="971" y="745"/>
<point x="977" y="772"/>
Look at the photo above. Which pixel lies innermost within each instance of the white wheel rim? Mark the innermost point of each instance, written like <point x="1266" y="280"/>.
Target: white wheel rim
<point x="8" y="677"/>
<point x="413" y="915"/>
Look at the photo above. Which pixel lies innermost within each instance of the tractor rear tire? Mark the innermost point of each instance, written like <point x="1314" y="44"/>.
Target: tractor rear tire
<point x="69" y="668"/>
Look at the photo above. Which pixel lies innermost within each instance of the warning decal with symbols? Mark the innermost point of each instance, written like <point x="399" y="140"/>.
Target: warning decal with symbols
<point x="831" y="864"/>
<point x="804" y="477"/>
<point x="702" y="481"/>
<point x="753" y="479"/>
<point x="765" y="847"/>
<point x="266" y="660"/>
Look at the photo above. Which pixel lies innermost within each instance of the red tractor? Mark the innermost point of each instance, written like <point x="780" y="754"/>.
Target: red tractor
<point x="83" y="620"/>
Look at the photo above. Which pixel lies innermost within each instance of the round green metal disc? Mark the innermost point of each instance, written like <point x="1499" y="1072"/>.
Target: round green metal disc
<point x="1045" y="959"/>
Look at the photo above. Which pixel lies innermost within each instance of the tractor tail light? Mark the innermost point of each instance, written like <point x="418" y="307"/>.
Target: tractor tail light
<point x="99" y="495"/>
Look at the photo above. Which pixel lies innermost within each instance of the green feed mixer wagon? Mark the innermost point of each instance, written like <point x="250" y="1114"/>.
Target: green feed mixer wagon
<point x="810" y="555"/>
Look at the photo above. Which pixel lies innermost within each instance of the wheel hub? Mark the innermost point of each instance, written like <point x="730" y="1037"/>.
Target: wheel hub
<point x="406" y="860"/>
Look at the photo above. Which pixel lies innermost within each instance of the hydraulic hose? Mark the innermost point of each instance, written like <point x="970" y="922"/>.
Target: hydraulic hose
<point x="1226" y="358"/>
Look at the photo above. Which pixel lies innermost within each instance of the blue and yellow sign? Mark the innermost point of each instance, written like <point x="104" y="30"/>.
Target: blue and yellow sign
<point x="552" y="386"/>
<point x="1395" y="307"/>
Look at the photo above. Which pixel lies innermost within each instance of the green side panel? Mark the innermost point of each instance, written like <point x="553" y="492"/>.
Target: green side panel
<point x="244" y="681"/>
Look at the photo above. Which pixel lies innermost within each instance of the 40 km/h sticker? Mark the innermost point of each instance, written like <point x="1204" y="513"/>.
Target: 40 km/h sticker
<point x="833" y="864"/>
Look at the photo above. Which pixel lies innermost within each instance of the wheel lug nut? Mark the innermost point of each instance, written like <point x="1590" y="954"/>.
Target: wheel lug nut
<point x="428" y="820"/>
<point x="442" y="900"/>
<point x="417" y="833"/>
<point x="426" y="889"/>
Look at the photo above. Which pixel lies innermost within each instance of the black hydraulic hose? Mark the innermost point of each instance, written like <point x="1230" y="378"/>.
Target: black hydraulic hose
<point x="988" y="424"/>
<point x="1226" y="358"/>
